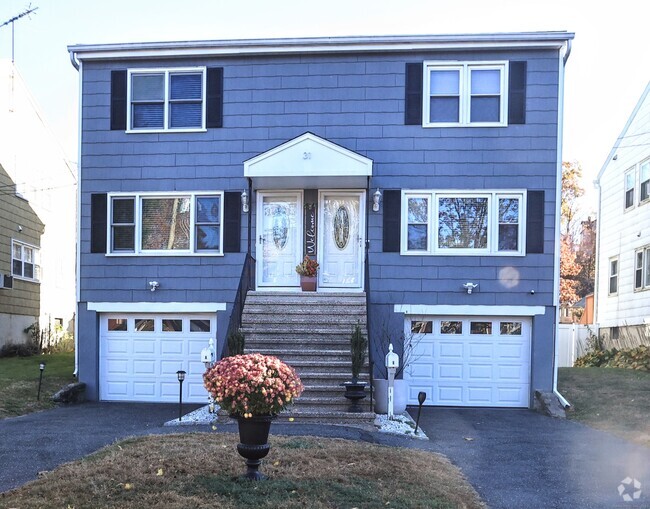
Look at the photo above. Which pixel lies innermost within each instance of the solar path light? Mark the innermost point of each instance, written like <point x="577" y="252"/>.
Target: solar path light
<point x="41" y="367"/>
<point x="181" y="376"/>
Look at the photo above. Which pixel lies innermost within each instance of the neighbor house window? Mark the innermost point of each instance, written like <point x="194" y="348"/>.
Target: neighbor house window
<point x="613" y="276"/>
<point x="642" y="269"/>
<point x="168" y="99"/>
<point x="448" y="222"/>
<point x="166" y="224"/>
<point x="644" y="181"/>
<point x="25" y="261"/>
<point x="629" y="188"/>
<point x="465" y="93"/>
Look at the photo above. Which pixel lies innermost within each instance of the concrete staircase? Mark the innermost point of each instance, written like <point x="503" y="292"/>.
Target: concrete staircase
<point x="311" y="332"/>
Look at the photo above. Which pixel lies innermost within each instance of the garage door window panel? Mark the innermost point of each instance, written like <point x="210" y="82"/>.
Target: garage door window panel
<point x="117" y="324"/>
<point x="175" y="325"/>
<point x="421" y="326"/>
<point x="144" y="325"/>
<point x="510" y="328"/>
<point x="480" y="328"/>
<point x="199" y="325"/>
<point x="451" y="327"/>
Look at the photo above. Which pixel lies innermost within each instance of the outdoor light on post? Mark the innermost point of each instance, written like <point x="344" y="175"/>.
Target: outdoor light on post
<point x="181" y="376"/>
<point x="422" y="396"/>
<point x="41" y="367"/>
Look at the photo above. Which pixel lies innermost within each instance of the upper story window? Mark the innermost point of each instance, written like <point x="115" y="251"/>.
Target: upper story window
<point x="613" y="276"/>
<point x="25" y="261"/>
<point x="465" y="94"/>
<point x="446" y="222"/>
<point x="166" y="99"/>
<point x="165" y="224"/>
<point x="642" y="269"/>
<point x="629" y="188"/>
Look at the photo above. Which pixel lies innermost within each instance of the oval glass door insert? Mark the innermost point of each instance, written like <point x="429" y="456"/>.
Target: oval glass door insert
<point x="280" y="227"/>
<point x="341" y="230"/>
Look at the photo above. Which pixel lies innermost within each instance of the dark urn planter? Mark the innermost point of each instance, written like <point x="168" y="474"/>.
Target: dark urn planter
<point x="355" y="391"/>
<point x="253" y="438"/>
<point x="308" y="283"/>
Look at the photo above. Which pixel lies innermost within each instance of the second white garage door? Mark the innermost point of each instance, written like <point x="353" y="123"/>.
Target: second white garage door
<point x="470" y="361"/>
<point x="141" y="353"/>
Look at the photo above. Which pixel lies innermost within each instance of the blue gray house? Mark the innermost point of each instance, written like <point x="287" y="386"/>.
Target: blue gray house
<point x="421" y="172"/>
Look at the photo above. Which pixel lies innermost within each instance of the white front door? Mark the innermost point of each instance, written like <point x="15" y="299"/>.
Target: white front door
<point x="341" y="239"/>
<point x="279" y="239"/>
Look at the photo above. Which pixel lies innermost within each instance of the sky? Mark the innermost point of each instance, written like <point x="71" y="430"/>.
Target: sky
<point x="607" y="71"/>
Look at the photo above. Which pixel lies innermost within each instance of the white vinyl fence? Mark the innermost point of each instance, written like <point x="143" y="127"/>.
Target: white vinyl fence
<point x="572" y="343"/>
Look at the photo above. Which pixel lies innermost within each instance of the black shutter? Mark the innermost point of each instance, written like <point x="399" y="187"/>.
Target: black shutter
<point x="118" y="100"/>
<point x="413" y="95"/>
<point x="517" y="93"/>
<point x="392" y="205"/>
<point x="98" y="223"/>
<point x="215" y="97"/>
<point x="232" y="222"/>
<point x="535" y="222"/>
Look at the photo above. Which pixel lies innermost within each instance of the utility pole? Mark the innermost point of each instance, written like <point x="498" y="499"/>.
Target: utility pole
<point x="11" y="21"/>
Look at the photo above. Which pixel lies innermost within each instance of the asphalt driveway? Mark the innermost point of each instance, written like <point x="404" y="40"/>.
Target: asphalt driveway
<point x="514" y="458"/>
<point x="520" y="459"/>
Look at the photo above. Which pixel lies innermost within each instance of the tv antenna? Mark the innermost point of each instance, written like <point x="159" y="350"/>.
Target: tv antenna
<point x="11" y="21"/>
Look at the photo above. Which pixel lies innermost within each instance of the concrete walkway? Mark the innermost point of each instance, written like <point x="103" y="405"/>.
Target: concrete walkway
<point x="515" y="458"/>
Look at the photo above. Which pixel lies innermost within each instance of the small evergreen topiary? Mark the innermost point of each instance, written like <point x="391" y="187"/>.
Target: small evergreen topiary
<point x="358" y="348"/>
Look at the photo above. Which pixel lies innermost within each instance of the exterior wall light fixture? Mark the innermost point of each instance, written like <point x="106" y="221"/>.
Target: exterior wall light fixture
<point x="469" y="286"/>
<point x="154" y="285"/>
<point x="244" y="202"/>
<point x="376" y="197"/>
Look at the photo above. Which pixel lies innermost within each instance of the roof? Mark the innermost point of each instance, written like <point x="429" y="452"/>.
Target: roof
<point x="624" y="131"/>
<point x="390" y="43"/>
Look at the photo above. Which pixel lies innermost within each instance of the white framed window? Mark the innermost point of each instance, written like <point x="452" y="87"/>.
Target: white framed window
<point x="642" y="269"/>
<point x="629" y="188"/>
<point x="463" y="223"/>
<point x="613" y="276"/>
<point x="644" y="181"/>
<point x="465" y="94"/>
<point x="166" y="99"/>
<point x="165" y="224"/>
<point x="25" y="261"/>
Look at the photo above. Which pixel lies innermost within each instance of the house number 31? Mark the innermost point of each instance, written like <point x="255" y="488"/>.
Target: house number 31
<point x="306" y="155"/>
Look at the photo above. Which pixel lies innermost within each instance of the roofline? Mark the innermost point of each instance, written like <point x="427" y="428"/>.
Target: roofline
<point x="623" y="132"/>
<point x="390" y="43"/>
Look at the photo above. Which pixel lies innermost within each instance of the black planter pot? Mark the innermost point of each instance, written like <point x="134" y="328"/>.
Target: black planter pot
<point x="253" y="438"/>
<point x="355" y="391"/>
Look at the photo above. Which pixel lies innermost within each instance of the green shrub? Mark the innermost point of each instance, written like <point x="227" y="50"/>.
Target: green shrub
<point x="633" y="358"/>
<point x="19" y="349"/>
<point x="236" y="342"/>
<point x="359" y="349"/>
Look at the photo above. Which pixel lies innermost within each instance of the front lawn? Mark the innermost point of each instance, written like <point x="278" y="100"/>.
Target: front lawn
<point x="201" y="470"/>
<point x="19" y="381"/>
<point x="611" y="399"/>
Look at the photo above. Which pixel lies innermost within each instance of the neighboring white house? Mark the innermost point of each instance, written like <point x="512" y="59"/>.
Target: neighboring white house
<point x="32" y="157"/>
<point x="623" y="249"/>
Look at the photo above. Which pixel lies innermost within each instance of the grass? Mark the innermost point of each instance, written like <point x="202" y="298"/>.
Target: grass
<point x="19" y="382"/>
<point x="201" y="470"/>
<point x="611" y="399"/>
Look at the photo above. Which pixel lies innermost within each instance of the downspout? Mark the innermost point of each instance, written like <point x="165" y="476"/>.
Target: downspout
<point x="558" y="199"/>
<point x="78" y="66"/>
<point x="597" y="270"/>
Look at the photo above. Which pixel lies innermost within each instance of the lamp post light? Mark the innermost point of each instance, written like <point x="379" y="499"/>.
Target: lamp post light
<point x="41" y="367"/>
<point x="422" y="396"/>
<point x="181" y="376"/>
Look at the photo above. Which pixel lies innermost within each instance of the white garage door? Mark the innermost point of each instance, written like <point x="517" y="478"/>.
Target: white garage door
<point x="141" y="353"/>
<point x="470" y="361"/>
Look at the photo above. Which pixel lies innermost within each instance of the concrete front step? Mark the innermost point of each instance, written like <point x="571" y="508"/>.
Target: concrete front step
<point x="292" y="356"/>
<point x="302" y="309"/>
<point x="327" y="378"/>
<point x="288" y="335"/>
<point x="336" y="321"/>
<point x="318" y="416"/>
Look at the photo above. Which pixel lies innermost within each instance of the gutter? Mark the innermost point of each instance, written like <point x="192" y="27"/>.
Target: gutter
<point x="558" y="198"/>
<point x="73" y="60"/>
<point x="77" y="65"/>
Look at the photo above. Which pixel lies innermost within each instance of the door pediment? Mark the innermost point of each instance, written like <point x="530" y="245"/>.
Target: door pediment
<point x="307" y="158"/>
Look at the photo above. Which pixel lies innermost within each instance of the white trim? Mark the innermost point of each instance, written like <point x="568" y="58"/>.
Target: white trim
<point x="156" y="307"/>
<point x="78" y="226"/>
<point x="465" y="69"/>
<point x="381" y="44"/>
<point x="617" y="275"/>
<point x="468" y="310"/>
<point x="137" y="197"/>
<point x="166" y="72"/>
<point x="493" y="197"/>
<point x="36" y="254"/>
<point x="627" y="172"/>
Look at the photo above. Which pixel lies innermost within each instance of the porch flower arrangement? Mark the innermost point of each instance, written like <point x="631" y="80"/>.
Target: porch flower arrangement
<point x="252" y="385"/>
<point x="307" y="267"/>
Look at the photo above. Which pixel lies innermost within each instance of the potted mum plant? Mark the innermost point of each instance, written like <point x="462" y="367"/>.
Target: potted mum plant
<point x="253" y="388"/>
<point x="307" y="270"/>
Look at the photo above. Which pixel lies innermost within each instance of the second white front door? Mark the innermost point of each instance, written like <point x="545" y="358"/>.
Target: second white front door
<point x="341" y="239"/>
<point x="279" y="246"/>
